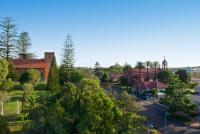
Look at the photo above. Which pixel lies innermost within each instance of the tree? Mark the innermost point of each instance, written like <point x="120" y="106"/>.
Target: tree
<point x="105" y="78"/>
<point x="165" y="76"/>
<point x="177" y="97"/>
<point x="117" y="68"/>
<point x="156" y="65"/>
<point x="28" y="88"/>
<point x="7" y="38"/>
<point x="183" y="75"/>
<point x="140" y="65"/>
<point x="148" y="64"/>
<point x="127" y="103"/>
<point x="127" y="67"/>
<point x="84" y="108"/>
<point x="13" y="74"/>
<point x="77" y="76"/>
<point x="53" y="79"/>
<point x="3" y="70"/>
<point x="23" y="46"/>
<point x="31" y="76"/>
<point x="97" y="70"/>
<point x="67" y="65"/>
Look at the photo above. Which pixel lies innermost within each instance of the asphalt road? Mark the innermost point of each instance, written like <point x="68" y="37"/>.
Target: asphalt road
<point x="155" y="114"/>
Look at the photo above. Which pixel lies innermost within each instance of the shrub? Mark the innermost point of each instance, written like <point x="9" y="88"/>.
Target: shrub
<point x="7" y="84"/>
<point x="27" y="87"/>
<point x="3" y="126"/>
<point x="31" y="76"/>
<point x="12" y="73"/>
<point x="3" y="70"/>
<point x="154" y="92"/>
<point x="17" y="86"/>
<point x="40" y="86"/>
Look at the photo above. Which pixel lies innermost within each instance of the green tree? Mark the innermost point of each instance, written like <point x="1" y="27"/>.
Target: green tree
<point x="3" y="70"/>
<point x="84" y="108"/>
<point x="127" y="67"/>
<point x="67" y="65"/>
<point x="148" y="64"/>
<point x="177" y="97"/>
<point x="98" y="70"/>
<point x="155" y="65"/>
<point x="31" y="76"/>
<point x="77" y="76"/>
<point x="165" y="76"/>
<point x="53" y="79"/>
<point x="28" y="88"/>
<point x="7" y="38"/>
<point x="140" y="65"/>
<point x="183" y="75"/>
<point x="7" y="84"/>
<point x="127" y="103"/>
<point x="105" y="78"/>
<point x="117" y="68"/>
<point x="23" y="46"/>
<point x="13" y="74"/>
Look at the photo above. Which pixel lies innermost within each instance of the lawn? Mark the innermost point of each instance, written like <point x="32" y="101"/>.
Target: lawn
<point x="10" y="110"/>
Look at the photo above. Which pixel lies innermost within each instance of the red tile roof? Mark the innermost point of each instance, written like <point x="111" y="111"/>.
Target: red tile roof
<point x="29" y="63"/>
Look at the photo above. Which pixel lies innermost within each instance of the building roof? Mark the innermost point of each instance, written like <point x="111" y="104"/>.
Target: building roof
<point x="29" y="63"/>
<point x="144" y="70"/>
<point x="154" y="84"/>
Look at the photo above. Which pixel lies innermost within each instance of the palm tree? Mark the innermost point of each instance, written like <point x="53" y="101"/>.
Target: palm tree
<point x="148" y="64"/>
<point x="156" y="65"/>
<point x="140" y="65"/>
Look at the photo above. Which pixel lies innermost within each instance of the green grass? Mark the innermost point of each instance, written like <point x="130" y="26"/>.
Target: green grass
<point x="16" y="127"/>
<point x="10" y="110"/>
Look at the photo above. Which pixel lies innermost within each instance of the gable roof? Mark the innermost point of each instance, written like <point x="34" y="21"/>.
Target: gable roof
<point x="29" y="63"/>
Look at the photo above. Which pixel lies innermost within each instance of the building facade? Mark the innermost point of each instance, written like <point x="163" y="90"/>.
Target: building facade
<point x="42" y="65"/>
<point x="143" y="79"/>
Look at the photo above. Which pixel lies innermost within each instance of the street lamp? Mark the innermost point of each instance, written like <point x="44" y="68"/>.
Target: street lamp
<point x="166" y="114"/>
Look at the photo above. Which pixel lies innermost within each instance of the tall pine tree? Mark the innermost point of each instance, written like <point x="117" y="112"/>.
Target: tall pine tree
<point x="23" y="46"/>
<point x="67" y="60"/>
<point x="53" y="79"/>
<point x="8" y="36"/>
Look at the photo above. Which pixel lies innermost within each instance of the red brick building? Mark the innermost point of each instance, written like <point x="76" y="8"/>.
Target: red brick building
<point x="42" y="65"/>
<point x="144" y="79"/>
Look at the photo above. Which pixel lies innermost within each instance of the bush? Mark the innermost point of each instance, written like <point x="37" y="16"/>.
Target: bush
<point x="3" y="126"/>
<point x="18" y="86"/>
<point x="31" y="76"/>
<point x="154" y="92"/>
<point x="40" y="86"/>
<point x="7" y="84"/>
<point x="27" y="87"/>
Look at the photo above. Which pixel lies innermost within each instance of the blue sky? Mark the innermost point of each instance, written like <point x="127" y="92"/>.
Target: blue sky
<point x="111" y="31"/>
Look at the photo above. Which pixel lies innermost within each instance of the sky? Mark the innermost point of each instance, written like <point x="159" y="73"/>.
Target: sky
<point x="110" y="31"/>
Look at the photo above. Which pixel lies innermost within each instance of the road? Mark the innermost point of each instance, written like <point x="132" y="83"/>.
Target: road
<point x="155" y="114"/>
